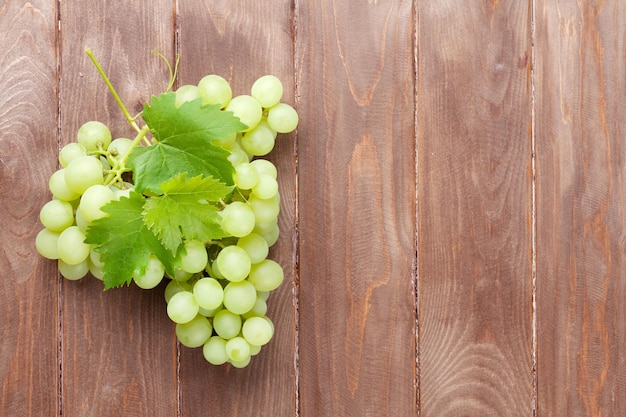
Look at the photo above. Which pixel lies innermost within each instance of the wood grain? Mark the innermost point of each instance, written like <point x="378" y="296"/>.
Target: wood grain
<point x="581" y="155"/>
<point x="28" y="146"/>
<point x="474" y="205"/>
<point x="356" y="208"/>
<point x="118" y="350"/>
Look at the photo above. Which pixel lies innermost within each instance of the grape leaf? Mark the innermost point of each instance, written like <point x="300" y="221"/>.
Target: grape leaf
<point x="125" y="242"/>
<point x="184" y="210"/>
<point x="184" y="142"/>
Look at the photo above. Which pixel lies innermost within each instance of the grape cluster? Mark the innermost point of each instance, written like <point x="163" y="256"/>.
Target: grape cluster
<point x="217" y="296"/>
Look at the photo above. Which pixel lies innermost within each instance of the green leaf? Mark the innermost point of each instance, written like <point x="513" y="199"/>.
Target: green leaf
<point x="125" y="242"/>
<point x="184" y="143"/>
<point x="184" y="211"/>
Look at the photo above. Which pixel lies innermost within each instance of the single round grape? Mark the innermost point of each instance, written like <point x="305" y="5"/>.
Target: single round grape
<point x="81" y="222"/>
<point x="267" y="90"/>
<point x="73" y="272"/>
<point x="265" y="167"/>
<point x="265" y="227"/>
<point x="259" y="309"/>
<point x="266" y="275"/>
<point x="214" y="351"/>
<point x="46" y="244"/>
<point x="194" y="333"/>
<point x="271" y="236"/>
<point x="82" y="173"/>
<point x="254" y="350"/>
<point x="282" y="118"/>
<point x="234" y="263"/>
<point x="239" y="297"/>
<point x="257" y="331"/>
<point x="182" y="307"/>
<point x="247" y="109"/>
<point x="95" y="270"/>
<point x="72" y="247"/>
<point x="266" y="187"/>
<point x="70" y="152"/>
<point x="255" y="246"/>
<point x="265" y="210"/>
<point x="240" y="364"/>
<point x="57" y="215"/>
<point x="209" y="313"/>
<point x="58" y="187"/>
<point x="152" y="276"/>
<point x="209" y="293"/>
<point x="227" y="324"/>
<point x="238" y="219"/>
<point x="237" y="349"/>
<point x="245" y="176"/>
<point x="181" y="275"/>
<point x="93" y="199"/>
<point x="237" y="155"/>
<point x="259" y="141"/>
<point x="118" y="148"/>
<point x="215" y="90"/>
<point x="174" y="287"/>
<point x="196" y="258"/>
<point x="226" y="142"/>
<point x="96" y="258"/>
<point x="186" y="93"/>
<point x="94" y="135"/>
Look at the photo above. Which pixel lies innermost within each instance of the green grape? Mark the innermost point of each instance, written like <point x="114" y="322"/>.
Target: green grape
<point x="82" y="173"/>
<point x="195" y="259"/>
<point x="282" y="118"/>
<point x="194" y="333"/>
<point x="186" y="93"/>
<point x="237" y="155"/>
<point x="182" y="307"/>
<point x="214" y="351"/>
<point x="227" y="142"/>
<point x="247" y="109"/>
<point x="215" y="271"/>
<point x="122" y="190"/>
<point x="181" y="275"/>
<point x="264" y="295"/>
<point x="92" y="201"/>
<point x="239" y="297"/>
<point x="266" y="187"/>
<point x="227" y="324"/>
<point x="266" y="275"/>
<point x="104" y="162"/>
<point x="94" y="135"/>
<point x="255" y="246"/>
<point x="118" y="149"/>
<point x="81" y="222"/>
<point x="174" y="287"/>
<point x="58" y="187"/>
<point x="259" y="141"/>
<point x="215" y="90"/>
<point x="208" y="293"/>
<point x="238" y="219"/>
<point x="237" y="349"/>
<point x="265" y="210"/>
<point x="56" y="215"/>
<point x="259" y="309"/>
<point x="254" y="350"/>
<point x="70" y="152"/>
<point x="72" y="247"/>
<point x="73" y="272"/>
<point x="46" y="244"/>
<point x="152" y="276"/>
<point x="257" y="331"/>
<point x="241" y="364"/>
<point x="267" y="90"/>
<point x="95" y="270"/>
<point x="271" y="236"/>
<point x="262" y="228"/>
<point x="96" y="258"/>
<point x="264" y="167"/>
<point x="245" y="176"/>
<point x="209" y="313"/>
<point x="234" y="263"/>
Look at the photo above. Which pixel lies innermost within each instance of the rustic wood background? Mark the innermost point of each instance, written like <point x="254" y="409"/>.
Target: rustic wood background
<point x="453" y="211"/>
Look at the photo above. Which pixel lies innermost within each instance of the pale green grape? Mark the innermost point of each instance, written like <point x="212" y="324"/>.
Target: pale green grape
<point x="215" y="271"/>
<point x="174" y="287"/>
<point x="241" y="364"/>
<point x="57" y="215"/>
<point x="265" y="210"/>
<point x="282" y="118"/>
<point x="256" y="247"/>
<point x="271" y="236"/>
<point x="227" y="324"/>
<point x="196" y="258"/>
<point x="262" y="228"/>
<point x="82" y="173"/>
<point x="245" y="176"/>
<point x="181" y="275"/>
<point x="266" y="275"/>
<point x="95" y="270"/>
<point x="247" y="109"/>
<point x="46" y="244"/>
<point x="264" y="295"/>
<point x="237" y="155"/>
<point x="239" y="297"/>
<point x="258" y="309"/>
<point x="267" y="90"/>
<point x="104" y="162"/>
<point x="96" y="258"/>
<point x="122" y="190"/>
<point x="254" y="350"/>
<point x="182" y="307"/>
<point x="72" y="247"/>
<point x="81" y="222"/>
<point x="70" y="152"/>
<point x="264" y="167"/>
<point x="238" y="219"/>
<point x="73" y="272"/>
<point x="214" y="351"/>
<point x="94" y="135"/>
<point x="233" y="263"/>
<point x="118" y="149"/>
<point x="257" y="331"/>
<point x="152" y="276"/>
<point x="259" y="141"/>
<point x="208" y="293"/>
<point x="92" y="201"/>
<point x="266" y="187"/>
<point x="194" y="333"/>
<point x="227" y="142"/>
<point x="209" y="313"/>
<point x="237" y="349"/>
<point x="186" y="93"/>
<point x="215" y="90"/>
<point x="59" y="187"/>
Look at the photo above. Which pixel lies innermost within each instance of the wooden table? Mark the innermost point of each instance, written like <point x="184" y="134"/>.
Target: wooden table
<point x="453" y="208"/>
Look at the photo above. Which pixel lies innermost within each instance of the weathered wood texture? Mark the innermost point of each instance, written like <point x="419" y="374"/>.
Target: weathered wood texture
<point x="581" y="216"/>
<point x="444" y="255"/>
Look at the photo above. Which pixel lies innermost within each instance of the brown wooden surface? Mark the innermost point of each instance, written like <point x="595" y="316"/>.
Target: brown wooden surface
<point x="453" y="208"/>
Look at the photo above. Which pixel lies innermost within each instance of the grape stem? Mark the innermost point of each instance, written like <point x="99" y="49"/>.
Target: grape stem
<point x="120" y="164"/>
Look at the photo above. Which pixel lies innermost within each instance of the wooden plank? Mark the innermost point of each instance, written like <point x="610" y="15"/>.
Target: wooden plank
<point x="356" y="175"/>
<point x="28" y="150"/>
<point x="242" y="41"/>
<point x="581" y="191"/>
<point x="118" y="351"/>
<point x="475" y="200"/>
